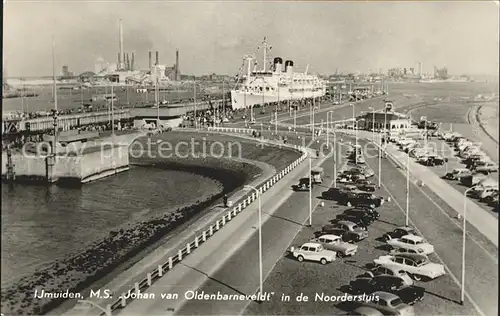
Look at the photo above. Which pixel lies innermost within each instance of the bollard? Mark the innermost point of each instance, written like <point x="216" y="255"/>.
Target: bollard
<point x="188" y="248"/>
<point x="217" y="225"/>
<point x="234" y="211"/>
<point x="229" y="215"/>
<point x="124" y="301"/>
<point x="136" y="287"/>
<point x="160" y="267"/>
<point x="204" y="236"/>
<point x="180" y="254"/>
<point x="244" y="203"/>
<point x="196" y="242"/>
<point x="223" y="220"/>
<point x="149" y="279"/>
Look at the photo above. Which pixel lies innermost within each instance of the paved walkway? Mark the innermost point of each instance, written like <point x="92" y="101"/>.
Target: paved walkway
<point x="125" y="280"/>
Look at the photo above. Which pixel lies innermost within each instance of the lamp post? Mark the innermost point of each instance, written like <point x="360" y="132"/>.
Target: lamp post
<point x="328" y="123"/>
<point x="310" y="191"/>
<point x="407" y="189"/>
<point x="462" y="285"/>
<point x="354" y="121"/>
<point x="380" y="160"/>
<point x="260" y="236"/>
<point x="373" y="122"/>
<point x="194" y="96"/>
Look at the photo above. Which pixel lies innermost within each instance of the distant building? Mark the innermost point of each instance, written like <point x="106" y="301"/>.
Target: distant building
<point x="441" y="73"/>
<point x="66" y="73"/>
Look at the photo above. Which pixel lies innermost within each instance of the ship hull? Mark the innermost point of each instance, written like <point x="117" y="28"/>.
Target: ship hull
<point x="241" y="100"/>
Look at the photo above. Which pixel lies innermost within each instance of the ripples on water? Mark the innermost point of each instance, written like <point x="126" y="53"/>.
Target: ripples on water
<point x="44" y="223"/>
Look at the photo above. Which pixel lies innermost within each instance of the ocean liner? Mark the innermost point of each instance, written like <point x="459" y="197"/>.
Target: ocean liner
<point x="277" y="84"/>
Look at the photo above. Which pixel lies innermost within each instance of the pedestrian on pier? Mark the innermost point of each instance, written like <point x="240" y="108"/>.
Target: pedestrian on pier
<point x="224" y="199"/>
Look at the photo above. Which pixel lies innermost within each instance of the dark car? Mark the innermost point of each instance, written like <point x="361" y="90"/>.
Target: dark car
<point x="409" y="294"/>
<point x="349" y="231"/>
<point x="362" y="219"/>
<point x="363" y="210"/>
<point x="399" y="232"/>
<point x="365" y="185"/>
<point x="304" y="185"/>
<point x="434" y="160"/>
<point x="362" y="199"/>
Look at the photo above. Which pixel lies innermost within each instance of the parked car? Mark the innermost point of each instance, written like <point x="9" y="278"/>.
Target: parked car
<point x="472" y="179"/>
<point x="402" y="251"/>
<point x="417" y="266"/>
<point x="368" y="173"/>
<point x="362" y="220"/>
<point x="348" y="230"/>
<point x="391" y="271"/>
<point x="413" y="242"/>
<point x="335" y="243"/>
<point x="434" y="160"/>
<point x="317" y="175"/>
<point x="399" y="232"/>
<point x="487" y="193"/>
<point x="458" y="173"/>
<point x="360" y="211"/>
<point x="363" y="199"/>
<point x="409" y="294"/>
<point x="486" y="167"/>
<point x="314" y="252"/>
<point x="389" y="304"/>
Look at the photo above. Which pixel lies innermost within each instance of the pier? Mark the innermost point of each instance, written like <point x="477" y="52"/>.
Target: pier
<point x="71" y="121"/>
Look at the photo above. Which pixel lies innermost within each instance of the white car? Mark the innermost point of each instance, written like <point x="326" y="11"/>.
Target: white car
<point x="389" y="304"/>
<point x="418" y="266"/>
<point x="314" y="252"/>
<point x="335" y="243"/>
<point x="412" y="242"/>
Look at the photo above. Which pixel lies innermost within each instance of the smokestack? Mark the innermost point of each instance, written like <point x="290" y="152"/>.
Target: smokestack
<point x="150" y="65"/>
<point x="157" y="58"/>
<point x="121" y="44"/>
<point x="176" y="65"/>
<point x="128" y="62"/>
<point x="119" y="61"/>
<point x="132" y="63"/>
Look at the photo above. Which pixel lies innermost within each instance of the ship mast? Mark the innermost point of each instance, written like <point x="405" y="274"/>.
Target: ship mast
<point x="265" y="54"/>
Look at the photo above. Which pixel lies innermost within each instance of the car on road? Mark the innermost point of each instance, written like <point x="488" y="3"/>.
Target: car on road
<point x="388" y="304"/>
<point x="314" y="252"/>
<point x="303" y="185"/>
<point x="317" y="175"/>
<point x="488" y="192"/>
<point x="417" y="266"/>
<point x="391" y="271"/>
<point x="458" y="173"/>
<point x="368" y="173"/>
<point x="348" y="230"/>
<point x="335" y="243"/>
<point x="410" y="294"/>
<point x="365" y="185"/>
<point x="399" y="232"/>
<point x="413" y="242"/>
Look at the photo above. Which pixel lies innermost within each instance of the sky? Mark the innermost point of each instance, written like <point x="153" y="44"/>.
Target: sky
<point x="213" y="37"/>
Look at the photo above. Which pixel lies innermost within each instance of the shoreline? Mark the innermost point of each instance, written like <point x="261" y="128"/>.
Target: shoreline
<point x="86" y="268"/>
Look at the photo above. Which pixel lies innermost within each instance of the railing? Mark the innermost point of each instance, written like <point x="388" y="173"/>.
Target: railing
<point x="213" y="228"/>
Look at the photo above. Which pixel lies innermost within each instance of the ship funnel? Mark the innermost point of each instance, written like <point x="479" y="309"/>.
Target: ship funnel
<point x="278" y="62"/>
<point x="289" y="66"/>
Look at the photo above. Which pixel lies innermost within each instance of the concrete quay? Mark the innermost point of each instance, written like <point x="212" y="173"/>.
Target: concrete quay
<point x="77" y="163"/>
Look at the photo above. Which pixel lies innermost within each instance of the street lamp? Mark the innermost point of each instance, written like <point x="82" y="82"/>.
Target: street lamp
<point x="379" y="159"/>
<point x="407" y="189"/>
<point x="354" y="121"/>
<point x="373" y="122"/>
<point x="462" y="286"/>
<point x="260" y="236"/>
<point x="328" y="121"/>
<point x="310" y="191"/>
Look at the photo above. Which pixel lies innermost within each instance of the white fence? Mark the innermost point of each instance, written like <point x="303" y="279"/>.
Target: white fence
<point x="212" y="229"/>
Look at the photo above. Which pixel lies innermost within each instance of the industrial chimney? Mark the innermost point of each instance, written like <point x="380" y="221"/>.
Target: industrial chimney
<point x="150" y="65"/>
<point x="120" y="64"/>
<point x="157" y="58"/>
<point x="177" y="65"/>
<point x="132" y="63"/>
<point x="119" y="61"/>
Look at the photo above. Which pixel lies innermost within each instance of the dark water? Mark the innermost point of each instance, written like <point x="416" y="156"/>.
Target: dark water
<point x="44" y="223"/>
